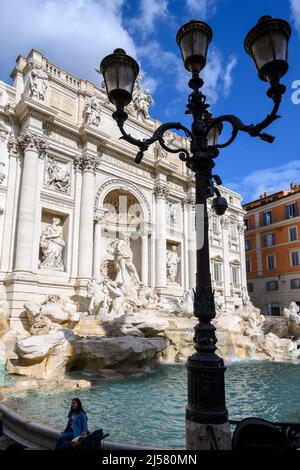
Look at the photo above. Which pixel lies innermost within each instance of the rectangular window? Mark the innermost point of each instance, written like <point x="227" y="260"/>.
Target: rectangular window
<point x="268" y="218"/>
<point x="293" y="236"/>
<point x="295" y="283"/>
<point x="235" y="275"/>
<point x="295" y="258"/>
<point x="247" y="244"/>
<point x="246" y="223"/>
<point x="274" y="310"/>
<point x="250" y="287"/>
<point x="233" y="232"/>
<point x="248" y="265"/>
<point x="217" y="272"/>
<point x="269" y="239"/>
<point x="272" y="285"/>
<point x="291" y="211"/>
<point x="215" y="225"/>
<point x="270" y="262"/>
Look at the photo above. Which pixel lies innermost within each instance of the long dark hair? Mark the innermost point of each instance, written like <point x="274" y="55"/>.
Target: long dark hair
<point x="79" y="407"/>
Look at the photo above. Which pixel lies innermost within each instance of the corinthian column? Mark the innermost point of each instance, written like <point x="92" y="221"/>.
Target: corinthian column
<point x="145" y="258"/>
<point x="97" y="245"/>
<point x="160" y="192"/>
<point x="191" y="239"/>
<point x="227" y="273"/>
<point x="87" y="163"/>
<point x="33" y="147"/>
<point x="241" y="230"/>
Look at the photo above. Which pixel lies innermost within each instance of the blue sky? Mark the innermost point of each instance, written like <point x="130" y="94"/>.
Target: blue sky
<point x="76" y="34"/>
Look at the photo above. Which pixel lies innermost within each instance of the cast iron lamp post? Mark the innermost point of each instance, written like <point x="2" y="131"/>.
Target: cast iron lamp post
<point x="267" y="43"/>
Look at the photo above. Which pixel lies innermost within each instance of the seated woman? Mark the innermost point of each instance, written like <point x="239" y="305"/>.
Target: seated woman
<point x="76" y="426"/>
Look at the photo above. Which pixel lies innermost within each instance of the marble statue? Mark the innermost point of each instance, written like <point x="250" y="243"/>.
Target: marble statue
<point x="173" y="260"/>
<point x="99" y="294"/>
<point x="292" y="317"/>
<point x="291" y="311"/>
<point x="39" y="324"/>
<point x="58" y="177"/>
<point x="52" y="245"/>
<point x="38" y="81"/>
<point x="186" y="304"/>
<point x="141" y="100"/>
<point x="160" y="152"/>
<point x="93" y="110"/>
<point x="148" y="298"/>
<point x="122" y="253"/>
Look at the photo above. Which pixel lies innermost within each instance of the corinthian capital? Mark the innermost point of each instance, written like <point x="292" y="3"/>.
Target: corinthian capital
<point x="13" y="145"/>
<point x="225" y="222"/>
<point x="30" y="141"/>
<point x="86" y="163"/>
<point x="241" y="228"/>
<point x="190" y="200"/>
<point x="161" y="191"/>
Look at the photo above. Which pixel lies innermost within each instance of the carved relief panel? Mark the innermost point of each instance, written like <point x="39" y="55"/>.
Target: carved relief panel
<point x="57" y="175"/>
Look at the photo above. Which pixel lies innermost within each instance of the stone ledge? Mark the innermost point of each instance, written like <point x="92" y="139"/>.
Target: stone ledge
<point x="37" y="436"/>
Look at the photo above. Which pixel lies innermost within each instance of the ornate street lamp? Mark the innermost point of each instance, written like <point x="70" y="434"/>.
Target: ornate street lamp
<point x="267" y="43"/>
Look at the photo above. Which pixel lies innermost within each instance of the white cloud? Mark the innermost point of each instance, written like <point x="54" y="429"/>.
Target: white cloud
<point x="202" y="8"/>
<point x="269" y="180"/>
<point x="228" y="78"/>
<point x="216" y="75"/>
<point x="75" y="34"/>
<point x="149" y="83"/>
<point x="295" y="7"/>
<point x="150" y="11"/>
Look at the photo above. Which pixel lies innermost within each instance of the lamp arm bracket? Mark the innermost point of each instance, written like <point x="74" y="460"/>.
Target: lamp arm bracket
<point x="238" y="126"/>
<point x="121" y="117"/>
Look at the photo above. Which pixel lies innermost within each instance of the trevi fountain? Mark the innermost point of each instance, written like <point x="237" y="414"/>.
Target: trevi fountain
<point x="97" y="270"/>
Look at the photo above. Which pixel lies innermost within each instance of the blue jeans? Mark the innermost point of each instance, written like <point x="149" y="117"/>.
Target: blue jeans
<point x="64" y="437"/>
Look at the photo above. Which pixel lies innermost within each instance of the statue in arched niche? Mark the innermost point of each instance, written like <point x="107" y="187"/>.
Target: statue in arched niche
<point x="122" y="253"/>
<point x="173" y="260"/>
<point x="52" y="245"/>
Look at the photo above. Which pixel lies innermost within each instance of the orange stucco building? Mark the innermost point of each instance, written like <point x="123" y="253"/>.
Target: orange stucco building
<point x="272" y="241"/>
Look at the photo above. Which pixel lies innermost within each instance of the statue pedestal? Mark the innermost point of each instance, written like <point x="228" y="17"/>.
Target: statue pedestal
<point x="172" y="290"/>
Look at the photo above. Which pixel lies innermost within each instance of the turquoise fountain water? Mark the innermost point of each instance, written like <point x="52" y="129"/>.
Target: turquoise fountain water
<point x="150" y="411"/>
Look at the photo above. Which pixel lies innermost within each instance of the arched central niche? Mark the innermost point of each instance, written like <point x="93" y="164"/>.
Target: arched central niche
<point x="123" y="208"/>
<point x="124" y="214"/>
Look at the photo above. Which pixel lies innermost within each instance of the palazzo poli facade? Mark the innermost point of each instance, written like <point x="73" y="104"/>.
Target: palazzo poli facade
<point x="70" y="192"/>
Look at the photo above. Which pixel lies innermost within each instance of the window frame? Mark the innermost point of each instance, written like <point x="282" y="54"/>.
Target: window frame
<point x="219" y="266"/>
<point x="289" y="230"/>
<point x="271" y="255"/>
<point x="268" y="283"/>
<point x="265" y="217"/>
<point x="295" y="279"/>
<point x="291" y="258"/>
<point x="272" y="235"/>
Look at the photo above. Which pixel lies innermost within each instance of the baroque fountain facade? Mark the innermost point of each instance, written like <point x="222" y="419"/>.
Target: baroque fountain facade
<point x="97" y="254"/>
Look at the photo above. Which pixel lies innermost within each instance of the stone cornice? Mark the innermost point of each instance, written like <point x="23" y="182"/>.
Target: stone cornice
<point x="95" y="136"/>
<point x="57" y="199"/>
<point x="31" y="108"/>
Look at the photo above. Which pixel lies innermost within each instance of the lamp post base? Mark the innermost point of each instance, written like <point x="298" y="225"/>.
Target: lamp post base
<point x="207" y="436"/>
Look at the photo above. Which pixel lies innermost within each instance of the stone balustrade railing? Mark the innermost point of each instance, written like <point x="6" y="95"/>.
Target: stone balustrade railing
<point x="39" y="436"/>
